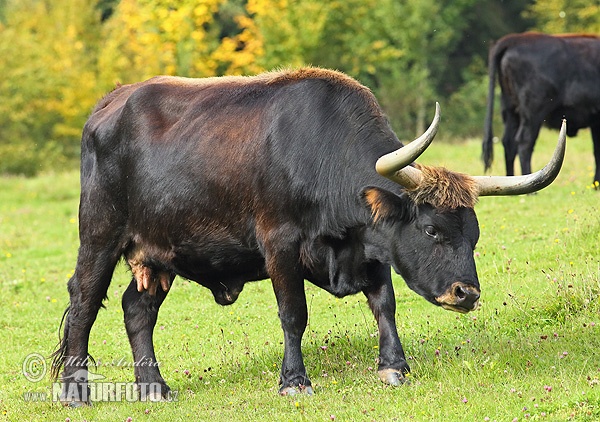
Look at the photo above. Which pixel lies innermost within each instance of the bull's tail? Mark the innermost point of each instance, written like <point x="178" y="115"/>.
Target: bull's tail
<point x="59" y="356"/>
<point x="488" y="145"/>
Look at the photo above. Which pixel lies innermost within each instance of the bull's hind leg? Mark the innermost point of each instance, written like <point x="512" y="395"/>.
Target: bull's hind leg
<point x="140" y="310"/>
<point x="511" y="124"/>
<point x="527" y="134"/>
<point x="380" y="294"/>
<point x="596" y="141"/>
<point x="101" y="223"/>
<point x="87" y="289"/>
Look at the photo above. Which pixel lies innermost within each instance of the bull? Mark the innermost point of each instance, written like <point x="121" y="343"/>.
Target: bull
<point x="292" y="175"/>
<point x="543" y="79"/>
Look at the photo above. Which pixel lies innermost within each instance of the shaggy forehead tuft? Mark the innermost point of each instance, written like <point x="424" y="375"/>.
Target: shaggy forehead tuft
<point x="444" y="189"/>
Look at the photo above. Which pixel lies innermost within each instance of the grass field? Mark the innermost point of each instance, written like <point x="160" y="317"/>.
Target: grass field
<point x="530" y="352"/>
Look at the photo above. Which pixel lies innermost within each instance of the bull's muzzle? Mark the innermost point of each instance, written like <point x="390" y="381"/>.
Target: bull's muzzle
<point x="460" y="297"/>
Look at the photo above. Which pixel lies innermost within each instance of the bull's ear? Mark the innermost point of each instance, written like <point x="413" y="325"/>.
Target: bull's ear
<point x="384" y="204"/>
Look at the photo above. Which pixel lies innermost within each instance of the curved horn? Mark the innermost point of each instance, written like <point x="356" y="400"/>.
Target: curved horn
<point x="395" y="165"/>
<point x="529" y="183"/>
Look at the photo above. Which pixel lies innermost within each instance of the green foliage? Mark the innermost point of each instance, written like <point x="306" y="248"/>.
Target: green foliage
<point x="563" y="16"/>
<point x="60" y="57"/>
<point x="47" y="87"/>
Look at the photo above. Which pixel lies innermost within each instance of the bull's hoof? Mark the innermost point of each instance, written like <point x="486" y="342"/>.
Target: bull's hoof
<point x="75" y="395"/>
<point x="153" y="392"/>
<point x="75" y="404"/>
<point x="153" y="397"/>
<point x="392" y="376"/>
<point x="293" y="390"/>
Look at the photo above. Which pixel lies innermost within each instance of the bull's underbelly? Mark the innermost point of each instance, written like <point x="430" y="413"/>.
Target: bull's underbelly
<point x="222" y="266"/>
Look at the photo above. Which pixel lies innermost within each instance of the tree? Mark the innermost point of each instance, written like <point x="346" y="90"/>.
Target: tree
<point x="394" y="47"/>
<point x="48" y="83"/>
<point x="562" y="16"/>
<point x="153" y="37"/>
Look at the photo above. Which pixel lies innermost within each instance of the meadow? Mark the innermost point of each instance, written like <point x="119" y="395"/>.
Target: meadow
<point x="530" y="352"/>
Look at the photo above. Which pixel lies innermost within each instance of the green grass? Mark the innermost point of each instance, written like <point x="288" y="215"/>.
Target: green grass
<point x="529" y="353"/>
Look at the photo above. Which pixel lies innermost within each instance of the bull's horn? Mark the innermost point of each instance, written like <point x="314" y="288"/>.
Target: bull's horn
<point x="518" y="185"/>
<point x="395" y="165"/>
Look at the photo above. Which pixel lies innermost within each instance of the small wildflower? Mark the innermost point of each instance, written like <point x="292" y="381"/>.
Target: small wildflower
<point x="464" y="400"/>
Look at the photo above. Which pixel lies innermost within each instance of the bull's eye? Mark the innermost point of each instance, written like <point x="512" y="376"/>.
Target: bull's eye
<point x="431" y="231"/>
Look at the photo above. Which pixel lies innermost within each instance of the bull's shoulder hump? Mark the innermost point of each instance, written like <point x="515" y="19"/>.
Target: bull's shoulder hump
<point x="308" y="73"/>
<point x="272" y="78"/>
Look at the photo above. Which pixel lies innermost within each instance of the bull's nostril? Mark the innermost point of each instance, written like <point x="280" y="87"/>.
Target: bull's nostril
<point x="459" y="293"/>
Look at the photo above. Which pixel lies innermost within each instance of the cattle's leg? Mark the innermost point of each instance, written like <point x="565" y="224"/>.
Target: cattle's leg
<point x="511" y="124"/>
<point x="140" y="311"/>
<point x="288" y="284"/>
<point x="87" y="288"/>
<point x="596" y="141"/>
<point x="392" y="362"/>
<point x="526" y="137"/>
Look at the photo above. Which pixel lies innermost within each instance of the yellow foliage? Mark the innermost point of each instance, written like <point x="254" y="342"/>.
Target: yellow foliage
<point x="150" y="37"/>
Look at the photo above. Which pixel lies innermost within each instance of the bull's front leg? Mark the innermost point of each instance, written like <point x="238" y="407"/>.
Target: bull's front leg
<point x="293" y="315"/>
<point x="392" y="362"/>
<point x="288" y="284"/>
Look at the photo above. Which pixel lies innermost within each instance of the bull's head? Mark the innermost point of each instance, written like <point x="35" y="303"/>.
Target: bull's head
<point x="434" y="251"/>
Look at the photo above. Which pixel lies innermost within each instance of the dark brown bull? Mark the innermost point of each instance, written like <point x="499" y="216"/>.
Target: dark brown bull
<point x="543" y="79"/>
<point x="234" y="179"/>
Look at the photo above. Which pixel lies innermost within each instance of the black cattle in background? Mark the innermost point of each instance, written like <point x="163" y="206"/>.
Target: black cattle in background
<point x="543" y="79"/>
